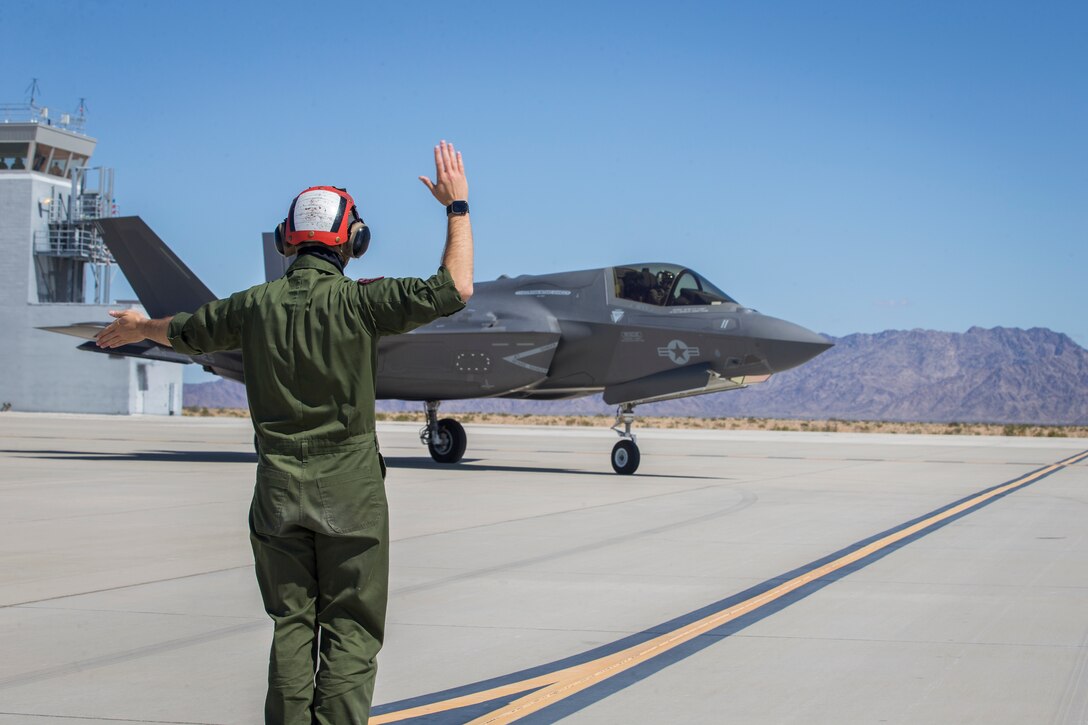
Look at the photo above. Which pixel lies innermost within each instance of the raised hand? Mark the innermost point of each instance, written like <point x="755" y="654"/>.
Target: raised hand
<point x="449" y="168"/>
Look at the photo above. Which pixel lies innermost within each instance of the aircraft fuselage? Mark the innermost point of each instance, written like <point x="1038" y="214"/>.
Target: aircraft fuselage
<point x="572" y="333"/>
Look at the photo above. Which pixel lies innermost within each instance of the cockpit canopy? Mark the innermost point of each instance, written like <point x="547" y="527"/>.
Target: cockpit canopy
<point x="666" y="285"/>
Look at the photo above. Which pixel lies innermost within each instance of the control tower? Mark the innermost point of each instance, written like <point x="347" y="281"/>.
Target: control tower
<point x="55" y="271"/>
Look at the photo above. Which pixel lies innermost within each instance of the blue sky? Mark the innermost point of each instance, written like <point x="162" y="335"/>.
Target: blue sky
<point x="850" y="166"/>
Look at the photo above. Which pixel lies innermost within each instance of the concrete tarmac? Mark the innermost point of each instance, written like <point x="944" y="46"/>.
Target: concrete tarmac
<point x="738" y="577"/>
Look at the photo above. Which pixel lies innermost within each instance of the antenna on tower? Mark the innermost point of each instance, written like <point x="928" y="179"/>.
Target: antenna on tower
<point x="33" y="90"/>
<point x="81" y="115"/>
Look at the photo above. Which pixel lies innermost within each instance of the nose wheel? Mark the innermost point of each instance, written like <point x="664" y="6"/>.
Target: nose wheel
<point x="445" y="439"/>
<point x="625" y="454"/>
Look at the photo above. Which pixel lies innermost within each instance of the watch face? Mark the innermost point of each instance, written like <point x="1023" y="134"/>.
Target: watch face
<point x="458" y="207"/>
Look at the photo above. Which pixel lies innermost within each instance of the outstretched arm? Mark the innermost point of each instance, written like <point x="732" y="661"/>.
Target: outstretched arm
<point x="130" y="326"/>
<point x="451" y="185"/>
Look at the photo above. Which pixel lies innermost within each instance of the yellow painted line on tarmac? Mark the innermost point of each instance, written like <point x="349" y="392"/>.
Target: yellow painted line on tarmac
<point x="548" y="689"/>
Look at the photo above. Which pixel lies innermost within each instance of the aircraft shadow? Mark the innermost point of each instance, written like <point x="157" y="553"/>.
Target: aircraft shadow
<point x="473" y="464"/>
<point x="394" y="462"/>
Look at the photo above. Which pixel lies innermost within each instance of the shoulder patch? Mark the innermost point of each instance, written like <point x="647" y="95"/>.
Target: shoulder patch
<point x="368" y="281"/>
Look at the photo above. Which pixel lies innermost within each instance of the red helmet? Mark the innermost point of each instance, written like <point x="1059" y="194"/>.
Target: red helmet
<point x="320" y="214"/>
<point x="323" y="214"/>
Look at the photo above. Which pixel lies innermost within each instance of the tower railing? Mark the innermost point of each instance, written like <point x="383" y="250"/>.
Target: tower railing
<point x="75" y="242"/>
<point x="32" y="113"/>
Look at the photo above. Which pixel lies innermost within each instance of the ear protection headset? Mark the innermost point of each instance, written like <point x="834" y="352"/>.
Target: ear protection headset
<point x="324" y="214"/>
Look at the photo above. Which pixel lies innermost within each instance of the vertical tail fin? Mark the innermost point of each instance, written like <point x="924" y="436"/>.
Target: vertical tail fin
<point x="275" y="264"/>
<point x="159" y="278"/>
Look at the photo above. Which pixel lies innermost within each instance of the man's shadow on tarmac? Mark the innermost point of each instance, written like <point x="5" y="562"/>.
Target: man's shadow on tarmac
<point x="147" y="456"/>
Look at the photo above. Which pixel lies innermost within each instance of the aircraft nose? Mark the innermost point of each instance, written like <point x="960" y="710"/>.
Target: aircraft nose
<point x="785" y="345"/>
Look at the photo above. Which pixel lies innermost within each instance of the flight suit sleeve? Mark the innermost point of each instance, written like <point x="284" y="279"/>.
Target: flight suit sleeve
<point x="215" y="326"/>
<point x="394" y="306"/>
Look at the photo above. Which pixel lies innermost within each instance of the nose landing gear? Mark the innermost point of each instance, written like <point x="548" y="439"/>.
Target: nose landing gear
<point x="625" y="454"/>
<point x="445" y="439"/>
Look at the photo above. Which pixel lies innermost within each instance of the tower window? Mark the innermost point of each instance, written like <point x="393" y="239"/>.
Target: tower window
<point x="13" y="156"/>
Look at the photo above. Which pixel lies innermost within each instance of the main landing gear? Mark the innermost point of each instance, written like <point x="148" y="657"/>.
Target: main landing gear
<point x="445" y="439"/>
<point x="625" y="455"/>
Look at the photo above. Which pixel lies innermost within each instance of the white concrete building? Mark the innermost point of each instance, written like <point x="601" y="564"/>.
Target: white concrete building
<point x="52" y="261"/>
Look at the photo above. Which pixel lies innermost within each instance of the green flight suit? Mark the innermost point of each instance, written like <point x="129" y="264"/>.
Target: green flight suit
<point x="318" y="521"/>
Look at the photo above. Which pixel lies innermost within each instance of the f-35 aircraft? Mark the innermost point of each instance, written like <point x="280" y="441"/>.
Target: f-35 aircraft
<point x="636" y="333"/>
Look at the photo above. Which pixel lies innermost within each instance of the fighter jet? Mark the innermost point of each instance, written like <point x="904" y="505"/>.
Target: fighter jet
<point x="635" y="333"/>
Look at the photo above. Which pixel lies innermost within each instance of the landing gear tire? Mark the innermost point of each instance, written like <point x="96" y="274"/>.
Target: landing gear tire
<point x="625" y="457"/>
<point x="447" y="443"/>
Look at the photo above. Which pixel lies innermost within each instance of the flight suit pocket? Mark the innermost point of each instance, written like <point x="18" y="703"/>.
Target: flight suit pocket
<point x="270" y="501"/>
<point x="352" y="501"/>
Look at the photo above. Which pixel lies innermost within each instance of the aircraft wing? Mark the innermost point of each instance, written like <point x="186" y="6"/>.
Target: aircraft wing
<point x="457" y="365"/>
<point x="491" y="348"/>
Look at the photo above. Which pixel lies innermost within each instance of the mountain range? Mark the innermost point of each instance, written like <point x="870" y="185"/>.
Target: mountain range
<point x="999" y="375"/>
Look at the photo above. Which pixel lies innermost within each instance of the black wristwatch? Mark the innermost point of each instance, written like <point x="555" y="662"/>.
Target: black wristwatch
<point x="457" y="208"/>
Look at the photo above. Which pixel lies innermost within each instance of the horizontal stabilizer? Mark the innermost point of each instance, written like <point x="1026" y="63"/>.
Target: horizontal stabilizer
<point x="146" y="350"/>
<point x="82" y="330"/>
<point x="163" y="283"/>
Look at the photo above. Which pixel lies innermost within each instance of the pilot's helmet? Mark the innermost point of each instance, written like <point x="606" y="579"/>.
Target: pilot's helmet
<point x="325" y="215"/>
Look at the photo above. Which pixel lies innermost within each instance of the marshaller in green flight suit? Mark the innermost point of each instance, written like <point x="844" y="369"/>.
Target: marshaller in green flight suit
<point x="318" y="521"/>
